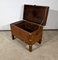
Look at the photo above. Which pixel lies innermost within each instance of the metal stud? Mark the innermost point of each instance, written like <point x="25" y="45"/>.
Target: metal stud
<point x="30" y="40"/>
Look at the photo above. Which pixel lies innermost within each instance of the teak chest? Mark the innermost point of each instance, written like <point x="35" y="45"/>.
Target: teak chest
<point x="30" y="28"/>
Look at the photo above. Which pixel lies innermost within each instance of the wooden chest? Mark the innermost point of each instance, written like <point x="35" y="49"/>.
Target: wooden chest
<point x="30" y="28"/>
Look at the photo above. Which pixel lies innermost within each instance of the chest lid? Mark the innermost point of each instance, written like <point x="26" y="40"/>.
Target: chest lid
<point x="36" y="14"/>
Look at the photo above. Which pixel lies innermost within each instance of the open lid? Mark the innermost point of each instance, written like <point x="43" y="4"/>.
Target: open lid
<point x="36" y="14"/>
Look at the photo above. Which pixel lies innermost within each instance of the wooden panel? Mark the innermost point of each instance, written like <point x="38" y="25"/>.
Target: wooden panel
<point x="20" y="33"/>
<point x="36" y="35"/>
<point x="36" y="14"/>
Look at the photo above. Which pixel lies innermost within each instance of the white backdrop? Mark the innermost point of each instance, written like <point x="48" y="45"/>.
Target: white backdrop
<point x="12" y="10"/>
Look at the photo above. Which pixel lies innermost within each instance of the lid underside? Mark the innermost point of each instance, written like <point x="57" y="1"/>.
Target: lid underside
<point x="36" y="14"/>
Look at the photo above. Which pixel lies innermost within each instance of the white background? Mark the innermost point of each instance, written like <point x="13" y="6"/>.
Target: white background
<point x="12" y="10"/>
